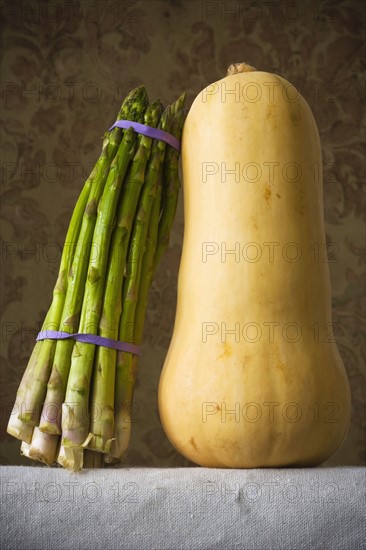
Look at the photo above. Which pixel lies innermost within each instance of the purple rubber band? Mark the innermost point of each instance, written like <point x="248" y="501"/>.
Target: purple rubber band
<point x="148" y="131"/>
<point x="89" y="339"/>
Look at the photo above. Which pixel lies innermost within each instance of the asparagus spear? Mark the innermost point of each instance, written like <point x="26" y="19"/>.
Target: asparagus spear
<point x="147" y="271"/>
<point x="102" y="423"/>
<point x="126" y="362"/>
<point x="50" y="422"/>
<point x="158" y="235"/>
<point x="75" y="420"/>
<point x="171" y="184"/>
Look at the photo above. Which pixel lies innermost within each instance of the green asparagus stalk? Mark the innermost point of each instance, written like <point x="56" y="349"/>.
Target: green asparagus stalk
<point x="171" y="184"/>
<point x="102" y="423"/>
<point x="75" y="420"/>
<point x="147" y="271"/>
<point x="149" y="208"/>
<point x="126" y="362"/>
<point x="158" y="236"/>
<point x="70" y="312"/>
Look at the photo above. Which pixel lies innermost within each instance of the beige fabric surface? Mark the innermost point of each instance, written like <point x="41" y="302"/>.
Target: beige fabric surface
<point x="183" y="508"/>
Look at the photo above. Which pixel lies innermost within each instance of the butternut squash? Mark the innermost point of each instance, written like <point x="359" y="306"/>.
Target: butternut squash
<point x="253" y="377"/>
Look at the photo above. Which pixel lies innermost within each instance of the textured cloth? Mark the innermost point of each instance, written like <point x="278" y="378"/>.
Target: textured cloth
<point x="182" y="508"/>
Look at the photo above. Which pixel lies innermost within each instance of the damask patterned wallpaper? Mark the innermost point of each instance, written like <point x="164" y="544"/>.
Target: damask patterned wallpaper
<point x="65" y="65"/>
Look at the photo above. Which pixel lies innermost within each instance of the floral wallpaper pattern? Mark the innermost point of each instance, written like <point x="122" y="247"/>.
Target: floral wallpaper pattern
<point x="65" y="67"/>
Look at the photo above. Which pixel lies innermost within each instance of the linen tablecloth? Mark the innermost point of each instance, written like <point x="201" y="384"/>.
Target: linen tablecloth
<point x="182" y="508"/>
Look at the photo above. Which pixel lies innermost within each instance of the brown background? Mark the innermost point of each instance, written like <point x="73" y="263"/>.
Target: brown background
<point x="65" y="67"/>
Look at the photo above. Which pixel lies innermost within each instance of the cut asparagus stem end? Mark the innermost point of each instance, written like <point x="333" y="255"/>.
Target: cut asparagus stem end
<point x="43" y="447"/>
<point x="24" y="449"/>
<point x="98" y="444"/>
<point x="120" y="444"/>
<point x="68" y="460"/>
<point x="71" y="458"/>
<point x="19" y="429"/>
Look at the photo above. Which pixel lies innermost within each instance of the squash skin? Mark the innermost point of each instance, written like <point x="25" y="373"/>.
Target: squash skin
<point x="202" y="381"/>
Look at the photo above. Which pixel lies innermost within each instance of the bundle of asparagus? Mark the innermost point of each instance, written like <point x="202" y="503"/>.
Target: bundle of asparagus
<point x="73" y="405"/>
